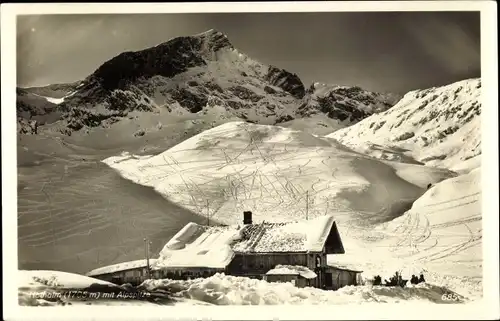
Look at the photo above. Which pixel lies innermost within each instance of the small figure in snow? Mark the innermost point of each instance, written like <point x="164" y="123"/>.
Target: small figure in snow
<point x="429" y="186"/>
<point x="414" y="279"/>
<point x="421" y="278"/>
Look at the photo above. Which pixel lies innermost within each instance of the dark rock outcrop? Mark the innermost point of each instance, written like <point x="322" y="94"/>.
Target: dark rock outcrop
<point x="287" y="81"/>
<point x="350" y="104"/>
<point x="167" y="59"/>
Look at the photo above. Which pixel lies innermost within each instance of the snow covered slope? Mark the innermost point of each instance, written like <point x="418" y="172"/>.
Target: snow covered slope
<point x="270" y="170"/>
<point x="440" y="236"/>
<point x="438" y="126"/>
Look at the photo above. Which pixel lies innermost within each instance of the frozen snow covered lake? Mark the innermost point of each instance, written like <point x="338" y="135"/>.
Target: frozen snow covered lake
<point x="79" y="216"/>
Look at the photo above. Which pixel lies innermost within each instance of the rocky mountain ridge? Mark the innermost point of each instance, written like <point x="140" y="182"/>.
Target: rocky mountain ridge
<point x="203" y="74"/>
<point x="439" y="126"/>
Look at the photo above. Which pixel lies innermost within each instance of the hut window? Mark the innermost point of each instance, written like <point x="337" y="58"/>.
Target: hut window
<point x="318" y="261"/>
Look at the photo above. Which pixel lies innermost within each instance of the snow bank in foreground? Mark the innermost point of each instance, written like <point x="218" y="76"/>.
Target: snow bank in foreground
<point x="229" y="290"/>
<point x="55" y="279"/>
<point x="292" y="270"/>
<point x="50" y="288"/>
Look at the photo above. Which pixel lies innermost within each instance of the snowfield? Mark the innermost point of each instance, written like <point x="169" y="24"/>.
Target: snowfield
<point x="56" y="101"/>
<point x="440" y="236"/>
<point x="439" y="127"/>
<point x="36" y="279"/>
<point x="57" y="288"/>
<point x="51" y="288"/>
<point x="273" y="170"/>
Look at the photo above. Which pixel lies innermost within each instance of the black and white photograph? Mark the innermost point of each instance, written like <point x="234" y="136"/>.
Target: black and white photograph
<point x="251" y="158"/>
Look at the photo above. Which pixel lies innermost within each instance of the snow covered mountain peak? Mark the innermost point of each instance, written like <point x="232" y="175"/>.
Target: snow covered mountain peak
<point x="439" y="126"/>
<point x="205" y="75"/>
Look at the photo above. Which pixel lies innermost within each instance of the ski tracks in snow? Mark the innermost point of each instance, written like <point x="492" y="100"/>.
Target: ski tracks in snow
<point x="417" y="237"/>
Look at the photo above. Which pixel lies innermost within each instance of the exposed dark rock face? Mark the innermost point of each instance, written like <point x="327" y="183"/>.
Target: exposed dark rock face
<point x="283" y="119"/>
<point x="269" y="90"/>
<point x="32" y="111"/>
<point x="167" y="59"/>
<point x="27" y="127"/>
<point x="128" y="100"/>
<point x="345" y="103"/>
<point x="287" y="81"/>
<point x="192" y="101"/>
<point x="245" y="93"/>
<point x="340" y="110"/>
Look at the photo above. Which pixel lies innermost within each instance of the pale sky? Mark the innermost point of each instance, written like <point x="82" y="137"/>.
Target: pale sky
<point x="391" y="52"/>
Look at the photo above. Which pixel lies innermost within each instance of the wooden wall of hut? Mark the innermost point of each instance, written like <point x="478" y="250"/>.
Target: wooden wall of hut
<point x="132" y="276"/>
<point x="188" y="273"/>
<point x="341" y="278"/>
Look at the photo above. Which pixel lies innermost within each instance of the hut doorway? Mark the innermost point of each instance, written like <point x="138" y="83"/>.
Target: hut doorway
<point x="116" y="280"/>
<point x="328" y="280"/>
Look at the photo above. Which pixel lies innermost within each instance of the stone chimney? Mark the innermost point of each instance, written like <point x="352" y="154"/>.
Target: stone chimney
<point x="247" y="217"/>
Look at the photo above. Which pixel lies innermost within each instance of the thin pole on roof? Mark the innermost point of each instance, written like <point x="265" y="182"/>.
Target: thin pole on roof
<point x="146" y="250"/>
<point x="208" y="214"/>
<point x="307" y="205"/>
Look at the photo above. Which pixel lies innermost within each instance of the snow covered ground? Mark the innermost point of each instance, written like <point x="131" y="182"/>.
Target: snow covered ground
<point x="56" y="101"/>
<point x="274" y="170"/>
<point x="438" y="126"/>
<point x="57" y="288"/>
<point x="386" y="217"/>
<point x="40" y="279"/>
<point x="440" y="236"/>
<point x="50" y="288"/>
<point x="229" y="290"/>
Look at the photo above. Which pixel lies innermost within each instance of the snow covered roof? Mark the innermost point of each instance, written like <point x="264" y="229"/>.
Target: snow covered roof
<point x="215" y="246"/>
<point x="199" y="246"/>
<point x="300" y="236"/>
<point x="345" y="267"/>
<point x="292" y="270"/>
<point x="121" y="267"/>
